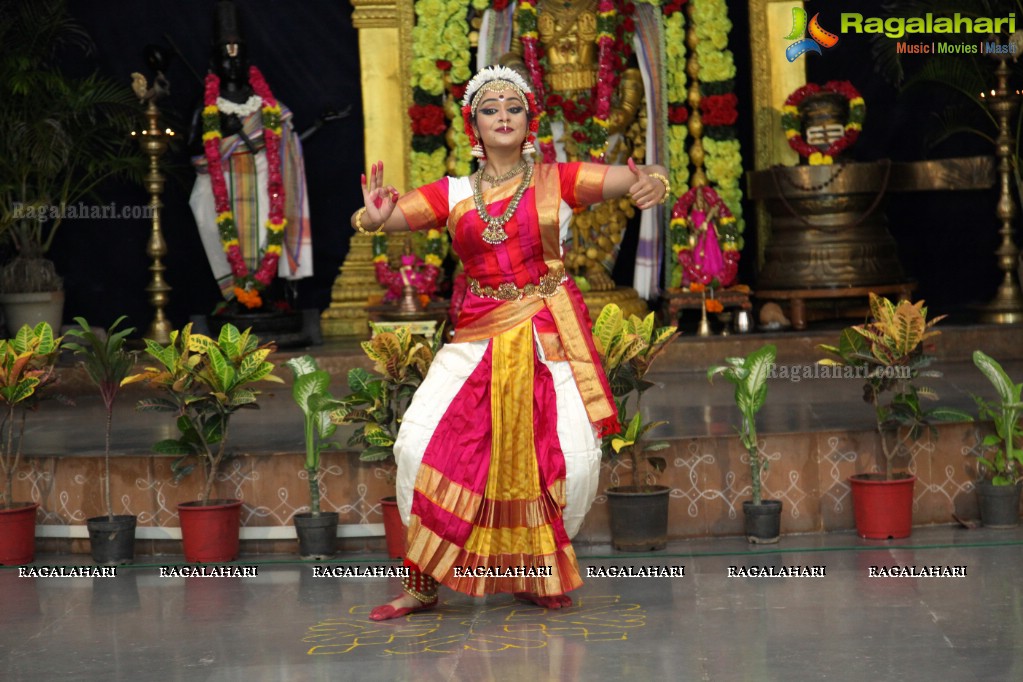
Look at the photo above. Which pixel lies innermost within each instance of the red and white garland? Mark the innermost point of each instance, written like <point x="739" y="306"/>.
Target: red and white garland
<point x="791" y="122"/>
<point x="591" y="117"/>
<point x="247" y="285"/>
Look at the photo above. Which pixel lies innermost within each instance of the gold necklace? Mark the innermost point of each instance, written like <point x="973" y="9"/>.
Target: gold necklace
<point x="506" y="176"/>
<point x="494" y="232"/>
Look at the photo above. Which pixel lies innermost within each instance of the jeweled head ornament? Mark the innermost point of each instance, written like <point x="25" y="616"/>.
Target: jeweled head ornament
<point x="494" y="79"/>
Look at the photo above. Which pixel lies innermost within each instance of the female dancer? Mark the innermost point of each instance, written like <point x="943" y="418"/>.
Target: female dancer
<point x="499" y="453"/>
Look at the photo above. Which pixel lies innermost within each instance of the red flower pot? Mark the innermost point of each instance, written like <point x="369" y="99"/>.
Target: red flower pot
<point x="18" y="534"/>
<point x="394" y="529"/>
<point x="883" y="509"/>
<point x="209" y="533"/>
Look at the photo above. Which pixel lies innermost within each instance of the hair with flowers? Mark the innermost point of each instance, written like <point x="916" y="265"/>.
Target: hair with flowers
<point x="492" y="74"/>
<point x="489" y="74"/>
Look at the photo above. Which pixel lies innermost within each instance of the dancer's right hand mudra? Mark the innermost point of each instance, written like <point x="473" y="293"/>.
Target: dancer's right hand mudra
<point x="379" y="200"/>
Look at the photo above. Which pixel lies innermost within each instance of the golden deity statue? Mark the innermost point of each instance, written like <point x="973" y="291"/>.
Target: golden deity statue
<point x="568" y="33"/>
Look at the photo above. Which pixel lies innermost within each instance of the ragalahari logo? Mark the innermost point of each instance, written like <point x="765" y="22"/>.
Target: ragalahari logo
<point x="818" y="36"/>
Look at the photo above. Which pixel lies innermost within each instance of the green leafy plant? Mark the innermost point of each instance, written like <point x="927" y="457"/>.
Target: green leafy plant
<point x="63" y="136"/>
<point x="627" y="348"/>
<point x="377" y="403"/>
<point x="749" y="375"/>
<point x="205" y="381"/>
<point x="311" y="391"/>
<point x="107" y="362"/>
<point x="888" y="352"/>
<point x="27" y="364"/>
<point x="1005" y="465"/>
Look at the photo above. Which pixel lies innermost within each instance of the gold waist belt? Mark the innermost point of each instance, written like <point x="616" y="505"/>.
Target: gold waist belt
<point x="545" y="288"/>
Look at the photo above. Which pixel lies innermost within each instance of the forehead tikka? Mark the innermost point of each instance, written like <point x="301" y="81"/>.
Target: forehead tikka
<point x="496" y="86"/>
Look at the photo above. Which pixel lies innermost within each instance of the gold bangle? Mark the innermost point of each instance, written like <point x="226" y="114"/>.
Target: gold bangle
<point x="358" y="222"/>
<point x="667" y="186"/>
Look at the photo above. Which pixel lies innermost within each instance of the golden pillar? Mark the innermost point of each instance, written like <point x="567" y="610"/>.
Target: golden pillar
<point x="385" y="40"/>
<point x="774" y="77"/>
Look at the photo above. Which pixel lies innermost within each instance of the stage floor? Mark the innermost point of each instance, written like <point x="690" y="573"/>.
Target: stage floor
<point x="284" y="624"/>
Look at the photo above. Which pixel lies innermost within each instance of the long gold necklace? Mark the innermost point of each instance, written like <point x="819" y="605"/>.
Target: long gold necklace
<point x="494" y="233"/>
<point x="500" y="179"/>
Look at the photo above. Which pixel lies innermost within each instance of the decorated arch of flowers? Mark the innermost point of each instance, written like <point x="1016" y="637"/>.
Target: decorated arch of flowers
<point x="442" y="64"/>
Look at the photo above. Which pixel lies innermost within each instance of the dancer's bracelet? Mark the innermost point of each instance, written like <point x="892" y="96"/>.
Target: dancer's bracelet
<point x="667" y="186"/>
<point x="357" y="219"/>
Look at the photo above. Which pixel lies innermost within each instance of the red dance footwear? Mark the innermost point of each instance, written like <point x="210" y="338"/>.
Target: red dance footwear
<point x="387" y="612"/>
<point x="558" y="601"/>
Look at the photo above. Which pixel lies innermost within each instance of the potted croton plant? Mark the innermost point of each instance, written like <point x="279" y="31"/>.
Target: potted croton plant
<point x="1001" y="464"/>
<point x="762" y="517"/>
<point x="888" y="351"/>
<point x="316" y="529"/>
<point x="627" y="348"/>
<point x="27" y="364"/>
<point x="106" y="362"/>
<point x="205" y="382"/>
<point x="377" y="402"/>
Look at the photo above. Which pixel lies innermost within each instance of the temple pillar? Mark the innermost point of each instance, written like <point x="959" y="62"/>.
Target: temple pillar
<point x="385" y="48"/>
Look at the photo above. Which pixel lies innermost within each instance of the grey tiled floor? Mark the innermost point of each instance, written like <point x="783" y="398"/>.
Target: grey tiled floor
<point x="286" y="624"/>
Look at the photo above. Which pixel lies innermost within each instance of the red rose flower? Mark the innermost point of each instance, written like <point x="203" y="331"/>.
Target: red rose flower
<point x="458" y="91"/>
<point x="428" y="119"/>
<point x="579" y="136"/>
<point x="677" y="114"/>
<point x="443" y="64"/>
<point x="719" y="110"/>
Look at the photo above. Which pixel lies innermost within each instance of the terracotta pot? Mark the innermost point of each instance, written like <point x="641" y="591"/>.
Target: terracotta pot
<point x="394" y="530"/>
<point x="209" y="533"/>
<point x="18" y="534"/>
<point x="883" y="509"/>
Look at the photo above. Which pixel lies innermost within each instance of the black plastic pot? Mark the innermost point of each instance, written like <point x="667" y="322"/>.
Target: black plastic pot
<point x="317" y="535"/>
<point x="112" y="539"/>
<point x="999" y="504"/>
<point x="763" y="521"/>
<point x="639" y="517"/>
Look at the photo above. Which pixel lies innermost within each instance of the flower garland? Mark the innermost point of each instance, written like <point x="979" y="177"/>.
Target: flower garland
<point x="682" y="233"/>
<point x="422" y="272"/>
<point x="718" y="104"/>
<point x="587" y="117"/>
<point x="791" y="121"/>
<point x="723" y="161"/>
<point x="678" y="116"/>
<point x="439" y="71"/>
<point x="247" y="285"/>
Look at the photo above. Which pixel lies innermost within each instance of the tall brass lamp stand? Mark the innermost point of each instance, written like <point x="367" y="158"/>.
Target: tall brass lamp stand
<point x="1007" y="305"/>
<point x="153" y="142"/>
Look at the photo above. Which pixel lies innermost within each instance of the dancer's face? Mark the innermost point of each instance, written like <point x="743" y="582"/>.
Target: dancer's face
<point x="501" y="120"/>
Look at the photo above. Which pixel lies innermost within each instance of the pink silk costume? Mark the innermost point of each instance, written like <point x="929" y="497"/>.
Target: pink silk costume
<point x="490" y="488"/>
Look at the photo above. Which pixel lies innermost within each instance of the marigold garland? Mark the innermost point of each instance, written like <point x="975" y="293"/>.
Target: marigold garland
<point x="247" y="285"/>
<point x="791" y="121"/>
